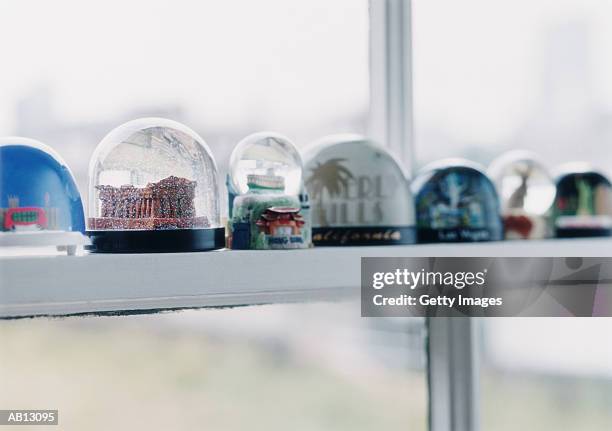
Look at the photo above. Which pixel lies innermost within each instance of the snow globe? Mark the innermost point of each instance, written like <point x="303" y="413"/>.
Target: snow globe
<point x="583" y="206"/>
<point x="40" y="204"/>
<point x="359" y="194"/>
<point x="265" y="195"/>
<point x="153" y="188"/>
<point x="456" y="202"/>
<point x="526" y="191"/>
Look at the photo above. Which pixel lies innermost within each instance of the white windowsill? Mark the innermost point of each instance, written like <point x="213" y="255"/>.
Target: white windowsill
<point x="61" y="285"/>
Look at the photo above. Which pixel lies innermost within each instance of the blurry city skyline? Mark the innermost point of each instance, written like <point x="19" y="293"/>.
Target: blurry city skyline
<point x="480" y="86"/>
<point x="493" y="76"/>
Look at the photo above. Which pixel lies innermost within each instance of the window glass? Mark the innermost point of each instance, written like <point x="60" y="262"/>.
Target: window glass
<point x="224" y="68"/>
<point x="492" y="76"/>
<point x="546" y="374"/>
<point x="276" y="367"/>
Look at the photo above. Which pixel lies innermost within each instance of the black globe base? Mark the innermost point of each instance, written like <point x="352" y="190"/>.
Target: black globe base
<point x="156" y="241"/>
<point x="363" y="236"/>
<point x="458" y="235"/>
<point x="582" y="232"/>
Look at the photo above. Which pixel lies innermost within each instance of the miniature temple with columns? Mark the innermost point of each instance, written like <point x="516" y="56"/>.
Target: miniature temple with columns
<point x="166" y="204"/>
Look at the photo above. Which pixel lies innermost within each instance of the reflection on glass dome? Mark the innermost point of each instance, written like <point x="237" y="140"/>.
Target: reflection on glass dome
<point x="153" y="175"/>
<point x="40" y="204"/>
<point x="266" y="154"/>
<point x="583" y="206"/>
<point x="359" y="194"/>
<point x="527" y="192"/>
<point x="456" y="202"/>
<point x="267" y="209"/>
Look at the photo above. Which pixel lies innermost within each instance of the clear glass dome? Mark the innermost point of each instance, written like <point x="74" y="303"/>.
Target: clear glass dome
<point x="264" y="183"/>
<point x="359" y="194"/>
<point x="456" y="202"/>
<point x="523" y="182"/>
<point x="40" y="204"/>
<point x="266" y="155"/>
<point x="527" y="192"/>
<point x="153" y="174"/>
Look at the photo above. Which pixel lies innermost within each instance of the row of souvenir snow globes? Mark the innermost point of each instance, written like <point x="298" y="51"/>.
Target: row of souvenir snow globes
<point x="154" y="188"/>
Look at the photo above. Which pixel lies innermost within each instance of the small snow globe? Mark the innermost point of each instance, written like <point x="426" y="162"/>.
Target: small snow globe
<point x="267" y="203"/>
<point x="456" y="202"/>
<point x="40" y="204"/>
<point x="359" y="194"/>
<point x="153" y="188"/>
<point x="527" y="192"/>
<point x="583" y="206"/>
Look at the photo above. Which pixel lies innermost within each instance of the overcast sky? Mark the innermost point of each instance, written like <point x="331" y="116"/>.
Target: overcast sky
<point x="226" y="59"/>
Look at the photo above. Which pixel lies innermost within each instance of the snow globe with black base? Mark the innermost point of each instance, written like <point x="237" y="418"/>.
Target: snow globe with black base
<point x="359" y="193"/>
<point x="153" y="188"/>
<point x="583" y="205"/>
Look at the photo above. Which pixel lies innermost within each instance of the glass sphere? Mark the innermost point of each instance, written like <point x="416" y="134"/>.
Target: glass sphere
<point x="456" y="202"/>
<point x="583" y="205"/>
<point x="526" y="191"/>
<point x="266" y="155"/>
<point x="153" y="174"/>
<point x="523" y="183"/>
<point x="359" y="194"/>
<point x="37" y="189"/>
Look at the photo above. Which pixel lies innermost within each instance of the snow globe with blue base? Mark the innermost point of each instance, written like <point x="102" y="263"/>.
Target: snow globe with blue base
<point x="40" y="204"/>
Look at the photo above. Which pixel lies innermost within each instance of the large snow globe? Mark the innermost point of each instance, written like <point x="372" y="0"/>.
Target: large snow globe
<point x="267" y="209"/>
<point x="40" y="205"/>
<point x="153" y="188"/>
<point x="456" y="202"/>
<point x="359" y="194"/>
<point x="583" y="205"/>
<point x="526" y="191"/>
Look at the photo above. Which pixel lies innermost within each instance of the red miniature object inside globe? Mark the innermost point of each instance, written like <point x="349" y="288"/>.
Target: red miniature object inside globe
<point x="520" y="224"/>
<point x="25" y="216"/>
<point x="281" y="217"/>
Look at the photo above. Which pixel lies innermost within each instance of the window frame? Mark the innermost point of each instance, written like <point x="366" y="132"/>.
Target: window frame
<point x="453" y="376"/>
<point x="451" y="342"/>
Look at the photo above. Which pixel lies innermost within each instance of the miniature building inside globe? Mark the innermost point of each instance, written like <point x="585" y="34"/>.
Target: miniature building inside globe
<point x="277" y="221"/>
<point x="40" y="204"/>
<point x="153" y="187"/>
<point x="264" y="154"/>
<point x="526" y="191"/>
<point x="266" y="204"/>
<point x="359" y="194"/>
<point x="165" y="204"/>
<point x="456" y="202"/>
<point x="583" y="205"/>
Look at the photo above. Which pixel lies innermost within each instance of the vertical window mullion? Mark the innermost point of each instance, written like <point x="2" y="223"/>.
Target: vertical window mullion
<point x="451" y="346"/>
<point x="391" y="117"/>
